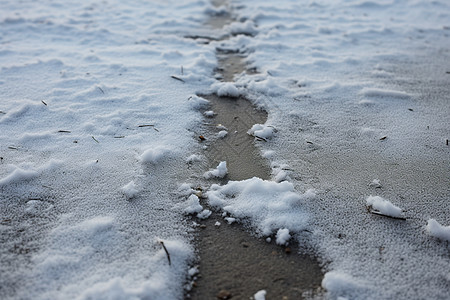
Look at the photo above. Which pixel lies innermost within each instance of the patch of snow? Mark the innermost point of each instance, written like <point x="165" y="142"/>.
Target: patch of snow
<point x="260" y="295"/>
<point x="283" y="236"/>
<point x="221" y="134"/>
<point x="384" y="206"/>
<point x="261" y="131"/>
<point x="219" y="172"/>
<point x="130" y="190"/>
<point x="437" y="230"/>
<point x="269" y="205"/>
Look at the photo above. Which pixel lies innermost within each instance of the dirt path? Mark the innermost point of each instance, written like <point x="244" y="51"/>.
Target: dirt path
<point x="233" y="263"/>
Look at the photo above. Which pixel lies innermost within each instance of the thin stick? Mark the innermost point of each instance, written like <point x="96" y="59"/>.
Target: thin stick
<point x="44" y="102"/>
<point x="64" y="131"/>
<point x="167" y="252"/>
<point x="261" y="138"/>
<point x="95" y="139"/>
<point x="177" y="78"/>
<point x="145" y="125"/>
<point x="383" y="215"/>
<point x="101" y="90"/>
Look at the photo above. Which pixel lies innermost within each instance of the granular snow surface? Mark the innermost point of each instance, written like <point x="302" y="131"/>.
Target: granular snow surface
<point x="98" y="128"/>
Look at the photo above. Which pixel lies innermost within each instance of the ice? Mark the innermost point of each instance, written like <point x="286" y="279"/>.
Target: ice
<point x="384" y="206"/>
<point x="219" y="172"/>
<point x="437" y="230"/>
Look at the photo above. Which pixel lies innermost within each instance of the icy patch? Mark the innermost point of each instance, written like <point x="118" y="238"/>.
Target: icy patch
<point x="383" y="206"/>
<point x="261" y="131"/>
<point x="437" y="230"/>
<point x="219" y="172"/>
<point x="269" y="205"/>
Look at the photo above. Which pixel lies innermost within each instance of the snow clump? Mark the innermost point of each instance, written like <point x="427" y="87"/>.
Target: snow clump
<point x="130" y="190"/>
<point x="260" y="295"/>
<point x="219" y="172"/>
<point x="437" y="230"/>
<point x="383" y="206"/>
<point x="261" y="131"/>
<point x="283" y="236"/>
<point x="268" y="205"/>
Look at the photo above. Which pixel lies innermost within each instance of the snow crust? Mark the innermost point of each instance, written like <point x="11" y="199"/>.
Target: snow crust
<point x="93" y="146"/>
<point x="357" y="90"/>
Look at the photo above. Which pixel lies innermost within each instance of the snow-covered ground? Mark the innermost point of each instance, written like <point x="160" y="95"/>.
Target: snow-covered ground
<point x="95" y="135"/>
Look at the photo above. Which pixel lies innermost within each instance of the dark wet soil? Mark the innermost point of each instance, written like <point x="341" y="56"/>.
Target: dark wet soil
<point x="233" y="264"/>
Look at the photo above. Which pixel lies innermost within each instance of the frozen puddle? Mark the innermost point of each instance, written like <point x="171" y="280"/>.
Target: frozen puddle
<point x="233" y="263"/>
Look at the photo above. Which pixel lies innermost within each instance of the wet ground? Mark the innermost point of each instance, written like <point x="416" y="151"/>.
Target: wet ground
<point x="233" y="264"/>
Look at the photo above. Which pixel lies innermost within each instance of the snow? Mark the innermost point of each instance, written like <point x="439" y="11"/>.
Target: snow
<point x="282" y="236"/>
<point x="437" y="230"/>
<point x="260" y="295"/>
<point x="90" y="115"/>
<point x="221" y="134"/>
<point x="130" y="190"/>
<point x="268" y="205"/>
<point x="218" y="172"/>
<point x="100" y="101"/>
<point x="192" y="205"/>
<point x="227" y="89"/>
<point x="261" y="131"/>
<point x="384" y="206"/>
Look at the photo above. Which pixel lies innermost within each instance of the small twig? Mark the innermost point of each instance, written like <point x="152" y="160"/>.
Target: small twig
<point x="308" y="142"/>
<point x="177" y="78"/>
<point x="95" y="139"/>
<point x="387" y="216"/>
<point x="167" y="252"/>
<point x="64" y="131"/>
<point x="146" y="125"/>
<point x="446" y="142"/>
<point x="182" y="70"/>
<point x="119" y="137"/>
<point x="44" y="102"/>
<point x="12" y="148"/>
<point x="261" y="138"/>
<point x="101" y="90"/>
<point x="383" y="138"/>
